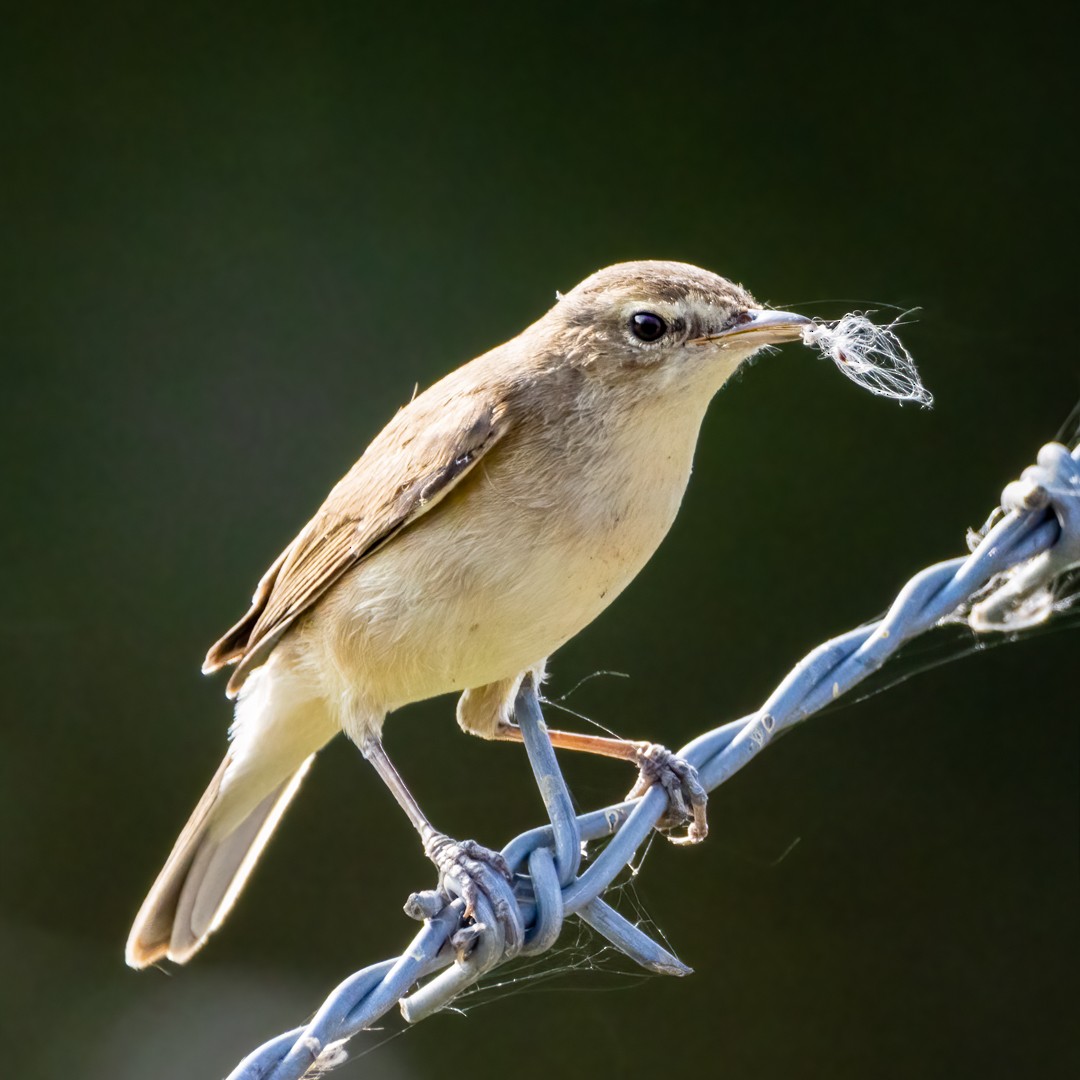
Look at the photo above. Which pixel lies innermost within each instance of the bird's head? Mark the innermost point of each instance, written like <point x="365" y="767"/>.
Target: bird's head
<point x="664" y="324"/>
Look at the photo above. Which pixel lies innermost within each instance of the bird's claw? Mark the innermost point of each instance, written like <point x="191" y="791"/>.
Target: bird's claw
<point x="475" y="871"/>
<point x="470" y="865"/>
<point x="465" y="938"/>
<point x="687" y="798"/>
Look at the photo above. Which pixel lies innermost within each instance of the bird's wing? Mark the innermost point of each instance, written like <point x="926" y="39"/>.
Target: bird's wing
<point x="427" y="449"/>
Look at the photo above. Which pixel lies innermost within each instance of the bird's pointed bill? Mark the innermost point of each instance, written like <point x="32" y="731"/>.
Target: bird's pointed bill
<point x="760" y="327"/>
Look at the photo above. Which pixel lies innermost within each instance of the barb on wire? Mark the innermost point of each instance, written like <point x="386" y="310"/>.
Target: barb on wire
<point x="997" y="587"/>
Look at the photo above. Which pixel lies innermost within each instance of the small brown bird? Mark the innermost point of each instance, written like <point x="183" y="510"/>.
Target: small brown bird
<point x="493" y="518"/>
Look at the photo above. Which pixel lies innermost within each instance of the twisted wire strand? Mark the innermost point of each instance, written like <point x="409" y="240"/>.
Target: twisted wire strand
<point x="1027" y="550"/>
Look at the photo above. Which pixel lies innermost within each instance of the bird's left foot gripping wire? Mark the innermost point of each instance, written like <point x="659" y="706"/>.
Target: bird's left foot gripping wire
<point x="687" y="797"/>
<point x="471" y="871"/>
<point x="481" y="878"/>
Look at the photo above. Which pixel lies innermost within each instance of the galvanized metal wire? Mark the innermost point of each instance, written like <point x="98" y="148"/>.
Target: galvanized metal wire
<point x="1034" y="544"/>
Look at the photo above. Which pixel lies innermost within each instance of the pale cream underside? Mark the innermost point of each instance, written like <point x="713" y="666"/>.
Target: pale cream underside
<point x="503" y="572"/>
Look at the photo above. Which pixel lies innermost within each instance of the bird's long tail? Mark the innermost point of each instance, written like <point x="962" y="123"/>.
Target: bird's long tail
<point x="275" y="740"/>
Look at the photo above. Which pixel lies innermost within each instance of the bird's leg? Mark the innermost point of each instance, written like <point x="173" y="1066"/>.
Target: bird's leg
<point x="472" y="866"/>
<point x="687" y="798"/>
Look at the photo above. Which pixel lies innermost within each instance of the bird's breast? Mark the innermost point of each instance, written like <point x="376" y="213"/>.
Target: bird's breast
<point x="540" y="538"/>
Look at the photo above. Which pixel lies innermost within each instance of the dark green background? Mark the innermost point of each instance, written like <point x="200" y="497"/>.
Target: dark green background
<point x="233" y="244"/>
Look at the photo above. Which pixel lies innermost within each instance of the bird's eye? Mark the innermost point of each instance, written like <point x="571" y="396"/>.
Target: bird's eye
<point x="646" y="326"/>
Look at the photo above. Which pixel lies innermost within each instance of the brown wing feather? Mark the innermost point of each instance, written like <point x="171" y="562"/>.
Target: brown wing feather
<point x="233" y="644"/>
<point x="413" y="463"/>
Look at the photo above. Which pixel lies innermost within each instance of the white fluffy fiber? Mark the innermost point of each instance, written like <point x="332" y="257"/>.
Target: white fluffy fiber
<point x="870" y="355"/>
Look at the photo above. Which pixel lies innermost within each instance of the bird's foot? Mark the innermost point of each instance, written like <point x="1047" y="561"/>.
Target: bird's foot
<point x="475" y="871"/>
<point x="687" y="798"/>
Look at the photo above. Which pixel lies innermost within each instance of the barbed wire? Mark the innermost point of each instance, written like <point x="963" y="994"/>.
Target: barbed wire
<point x="1026" y="548"/>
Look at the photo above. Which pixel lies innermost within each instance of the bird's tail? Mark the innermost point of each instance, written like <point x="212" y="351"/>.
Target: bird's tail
<point x="275" y="740"/>
<point x="203" y="875"/>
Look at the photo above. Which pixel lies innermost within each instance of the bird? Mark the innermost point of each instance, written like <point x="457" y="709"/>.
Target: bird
<point x="495" y="516"/>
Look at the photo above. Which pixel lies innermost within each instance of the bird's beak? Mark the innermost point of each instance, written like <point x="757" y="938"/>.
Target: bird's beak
<point x="759" y="327"/>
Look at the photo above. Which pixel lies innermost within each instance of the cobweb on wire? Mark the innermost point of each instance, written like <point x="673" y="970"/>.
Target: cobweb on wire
<point x="1054" y="608"/>
<point x="581" y="951"/>
<point x="1008" y="604"/>
<point x="949" y="642"/>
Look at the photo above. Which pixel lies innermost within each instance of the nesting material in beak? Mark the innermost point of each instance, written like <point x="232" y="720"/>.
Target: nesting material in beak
<point x="871" y="356"/>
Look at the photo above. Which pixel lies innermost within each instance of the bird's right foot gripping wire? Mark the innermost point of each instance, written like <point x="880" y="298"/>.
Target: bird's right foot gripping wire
<point x="687" y="797"/>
